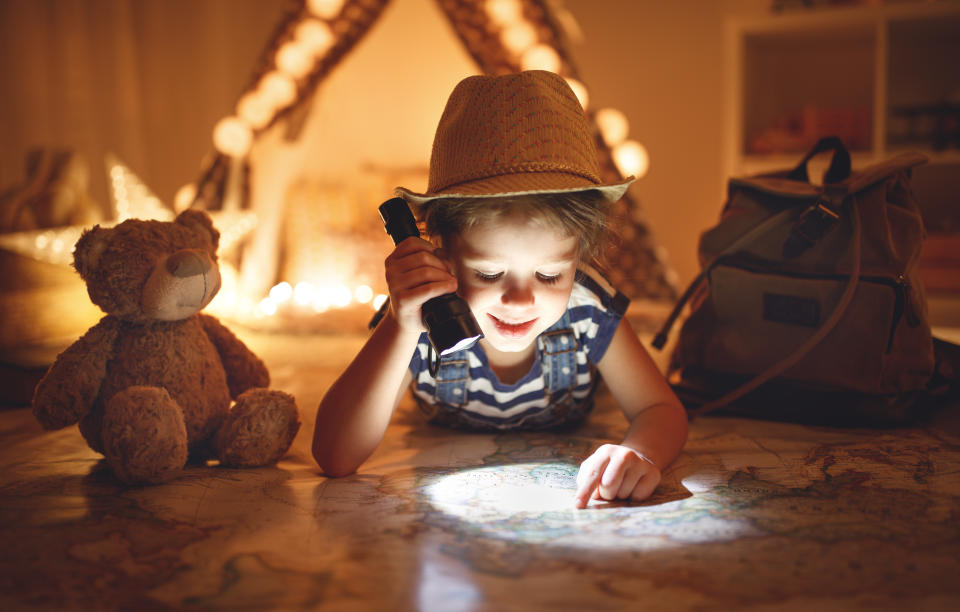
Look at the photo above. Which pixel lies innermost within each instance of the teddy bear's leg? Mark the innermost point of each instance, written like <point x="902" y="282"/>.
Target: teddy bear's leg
<point x="144" y="436"/>
<point x="259" y="429"/>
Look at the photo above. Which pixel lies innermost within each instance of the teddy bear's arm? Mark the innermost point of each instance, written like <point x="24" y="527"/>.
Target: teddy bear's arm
<point x="244" y="369"/>
<point x="67" y="391"/>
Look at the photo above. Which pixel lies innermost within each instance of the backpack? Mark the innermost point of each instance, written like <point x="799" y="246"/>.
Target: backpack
<point x="808" y="307"/>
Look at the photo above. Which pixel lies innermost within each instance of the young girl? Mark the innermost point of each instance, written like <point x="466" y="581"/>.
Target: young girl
<point x="517" y="210"/>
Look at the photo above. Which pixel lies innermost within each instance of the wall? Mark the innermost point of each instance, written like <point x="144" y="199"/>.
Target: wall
<point x="147" y="79"/>
<point x="660" y="63"/>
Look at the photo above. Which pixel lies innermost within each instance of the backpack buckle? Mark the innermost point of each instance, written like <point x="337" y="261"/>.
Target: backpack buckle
<point x="810" y="227"/>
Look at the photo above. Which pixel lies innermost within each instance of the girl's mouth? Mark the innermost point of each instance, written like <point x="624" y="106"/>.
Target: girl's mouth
<point x="512" y="330"/>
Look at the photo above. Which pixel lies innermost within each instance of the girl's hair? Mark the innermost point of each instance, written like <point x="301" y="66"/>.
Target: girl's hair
<point x="580" y="213"/>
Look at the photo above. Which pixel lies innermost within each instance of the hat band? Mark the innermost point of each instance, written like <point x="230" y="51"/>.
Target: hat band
<point x="497" y="171"/>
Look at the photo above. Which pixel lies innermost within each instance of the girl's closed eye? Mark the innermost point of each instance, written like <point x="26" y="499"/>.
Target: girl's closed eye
<point x="488" y="277"/>
<point x="549" y="279"/>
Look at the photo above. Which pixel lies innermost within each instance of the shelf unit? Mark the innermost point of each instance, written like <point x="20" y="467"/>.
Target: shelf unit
<point x="885" y="77"/>
<point x="875" y="74"/>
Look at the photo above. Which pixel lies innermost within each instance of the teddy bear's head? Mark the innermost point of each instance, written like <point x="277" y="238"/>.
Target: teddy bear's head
<point x="143" y="271"/>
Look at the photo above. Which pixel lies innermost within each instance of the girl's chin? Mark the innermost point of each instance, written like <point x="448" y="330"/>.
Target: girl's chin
<point x="508" y="345"/>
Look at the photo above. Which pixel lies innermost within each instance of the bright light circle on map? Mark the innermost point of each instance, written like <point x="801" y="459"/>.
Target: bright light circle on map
<point x="534" y="502"/>
<point x="505" y="490"/>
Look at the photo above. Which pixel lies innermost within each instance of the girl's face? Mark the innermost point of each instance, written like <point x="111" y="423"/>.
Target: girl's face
<point x="516" y="274"/>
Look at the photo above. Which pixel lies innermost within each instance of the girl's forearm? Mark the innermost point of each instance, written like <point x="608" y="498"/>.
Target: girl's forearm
<point x="355" y="411"/>
<point x="658" y="433"/>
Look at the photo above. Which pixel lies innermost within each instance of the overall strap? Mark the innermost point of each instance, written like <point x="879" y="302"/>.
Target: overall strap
<point x="558" y="356"/>
<point x="452" y="378"/>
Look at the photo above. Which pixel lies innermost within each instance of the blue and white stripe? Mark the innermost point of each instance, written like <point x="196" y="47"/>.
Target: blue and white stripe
<point x="594" y="311"/>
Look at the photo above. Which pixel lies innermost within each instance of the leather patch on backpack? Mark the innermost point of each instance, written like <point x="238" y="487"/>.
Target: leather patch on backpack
<point x="791" y="309"/>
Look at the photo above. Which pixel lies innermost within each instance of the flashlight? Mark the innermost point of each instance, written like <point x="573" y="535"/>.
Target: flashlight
<point x="450" y="323"/>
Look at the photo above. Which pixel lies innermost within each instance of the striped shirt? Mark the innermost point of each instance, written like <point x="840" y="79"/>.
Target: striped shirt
<point x="558" y="389"/>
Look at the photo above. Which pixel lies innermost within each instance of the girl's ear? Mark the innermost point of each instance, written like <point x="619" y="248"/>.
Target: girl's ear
<point x="89" y="248"/>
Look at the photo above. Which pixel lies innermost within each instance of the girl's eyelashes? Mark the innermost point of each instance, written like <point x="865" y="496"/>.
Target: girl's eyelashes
<point x="548" y="279"/>
<point x="489" y="278"/>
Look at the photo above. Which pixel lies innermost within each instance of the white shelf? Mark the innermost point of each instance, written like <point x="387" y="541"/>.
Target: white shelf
<point x="837" y="67"/>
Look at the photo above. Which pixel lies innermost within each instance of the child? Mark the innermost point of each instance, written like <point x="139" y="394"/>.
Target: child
<point x="517" y="208"/>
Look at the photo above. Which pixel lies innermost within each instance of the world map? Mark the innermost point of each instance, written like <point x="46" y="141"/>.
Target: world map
<point x="751" y="515"/>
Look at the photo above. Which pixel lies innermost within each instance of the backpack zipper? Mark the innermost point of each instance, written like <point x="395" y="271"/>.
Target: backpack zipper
<point x="900" y="286"/>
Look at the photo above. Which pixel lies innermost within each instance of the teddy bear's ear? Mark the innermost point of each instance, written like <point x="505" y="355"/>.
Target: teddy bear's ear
<point x="200" y="222"/>
<point x="87" y="252"/>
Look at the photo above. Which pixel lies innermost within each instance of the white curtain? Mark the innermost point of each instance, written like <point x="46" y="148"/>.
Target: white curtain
<point x="144" y="79"/>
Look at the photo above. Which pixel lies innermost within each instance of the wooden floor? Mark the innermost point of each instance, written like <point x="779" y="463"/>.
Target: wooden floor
<point x="752" y="516"/>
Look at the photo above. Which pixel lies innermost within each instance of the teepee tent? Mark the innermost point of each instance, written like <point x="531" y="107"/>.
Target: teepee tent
<point x="275" y="135"/>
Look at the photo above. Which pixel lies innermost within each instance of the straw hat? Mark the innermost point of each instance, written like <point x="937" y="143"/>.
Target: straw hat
<point x="512" y="135"/>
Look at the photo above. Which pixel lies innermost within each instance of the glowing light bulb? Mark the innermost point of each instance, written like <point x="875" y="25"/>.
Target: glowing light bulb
<point x="363" y="294"/>
<point x="325" y="9"/>
<point x="579" y="90"/>
<point x="281" y="292"/>
<point x="315" y="35"/>
<point x="378" y="301"/>
<point x="518" y="37"/>
<point x="631" y="158"/>
<point x="232" y="136"/>
<point x="341" y="296"/>
<point x="184" y="197"/>
<point x="503" y="12"/>
<point x="267" y="306"/>
<point x="294" y="59"/>
<point x="255" y="109"/>
<point x="541" y="57"/>
<point x="613" y="126"/>
<point x="303" y="293"/>
<point x="278" y="88"/>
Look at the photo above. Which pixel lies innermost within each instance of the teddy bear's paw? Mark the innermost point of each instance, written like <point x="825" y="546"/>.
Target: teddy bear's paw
<point x="259" y="429"/>
<point x="144" y="436"/>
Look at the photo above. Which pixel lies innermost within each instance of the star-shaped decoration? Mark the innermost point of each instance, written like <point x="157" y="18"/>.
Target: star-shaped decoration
<point x="131" y="199"/>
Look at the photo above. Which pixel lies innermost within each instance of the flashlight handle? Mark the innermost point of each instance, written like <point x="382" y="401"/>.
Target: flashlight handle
<point x="450" y="324"/>
<point x="398" y="220"/>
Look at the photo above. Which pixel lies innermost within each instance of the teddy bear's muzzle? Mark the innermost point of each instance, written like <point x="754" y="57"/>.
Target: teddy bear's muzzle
<point x="181" y="285"/>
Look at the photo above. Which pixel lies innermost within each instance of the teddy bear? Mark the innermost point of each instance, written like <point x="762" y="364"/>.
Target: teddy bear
<point x="152" y="383"/>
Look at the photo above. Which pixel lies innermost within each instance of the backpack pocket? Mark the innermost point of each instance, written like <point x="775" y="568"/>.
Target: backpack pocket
<point x="763" y="316"/>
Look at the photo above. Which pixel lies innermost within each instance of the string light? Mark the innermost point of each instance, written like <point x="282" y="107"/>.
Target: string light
<point x="631" y="158"/>
<point x="613" y="126"/>
<point x="579" y="90"/>
<point x="315" y="36"/>
<point x="278" y="89"/>
<point x="325" y="9"/>
<point x="231" y="136"/>
<point x="518" y="37"/>
<point x="294" y="60"/>
<point x="184" y="197"/>
<point x="540" y="57"/>
<point x="281" y="292"/>
<point x="255" y="109"/>
<point x="363" y="294"/>
<point x="504" y="12"/>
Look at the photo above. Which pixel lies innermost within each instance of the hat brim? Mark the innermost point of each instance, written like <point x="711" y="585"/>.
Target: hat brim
<point x="527" y="183"/>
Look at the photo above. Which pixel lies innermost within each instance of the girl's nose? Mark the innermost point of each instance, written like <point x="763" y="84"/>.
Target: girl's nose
<point x="518" y="294"/>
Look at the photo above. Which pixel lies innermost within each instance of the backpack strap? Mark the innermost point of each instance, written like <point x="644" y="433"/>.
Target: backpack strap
<point x="758" y="230"/>
<point x="558" y="357"/>
<point x="452" y="377"/>
<point x="839" y="169"/>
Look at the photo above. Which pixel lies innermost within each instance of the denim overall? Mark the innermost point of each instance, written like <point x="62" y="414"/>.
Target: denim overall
<point x="557" y="349"/>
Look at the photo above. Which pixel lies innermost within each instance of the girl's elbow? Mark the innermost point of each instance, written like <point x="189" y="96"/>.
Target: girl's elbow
<point x="333" y="463"/>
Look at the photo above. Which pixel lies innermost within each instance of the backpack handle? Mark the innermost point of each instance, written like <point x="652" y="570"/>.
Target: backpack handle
<point x="839" y="169"/>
